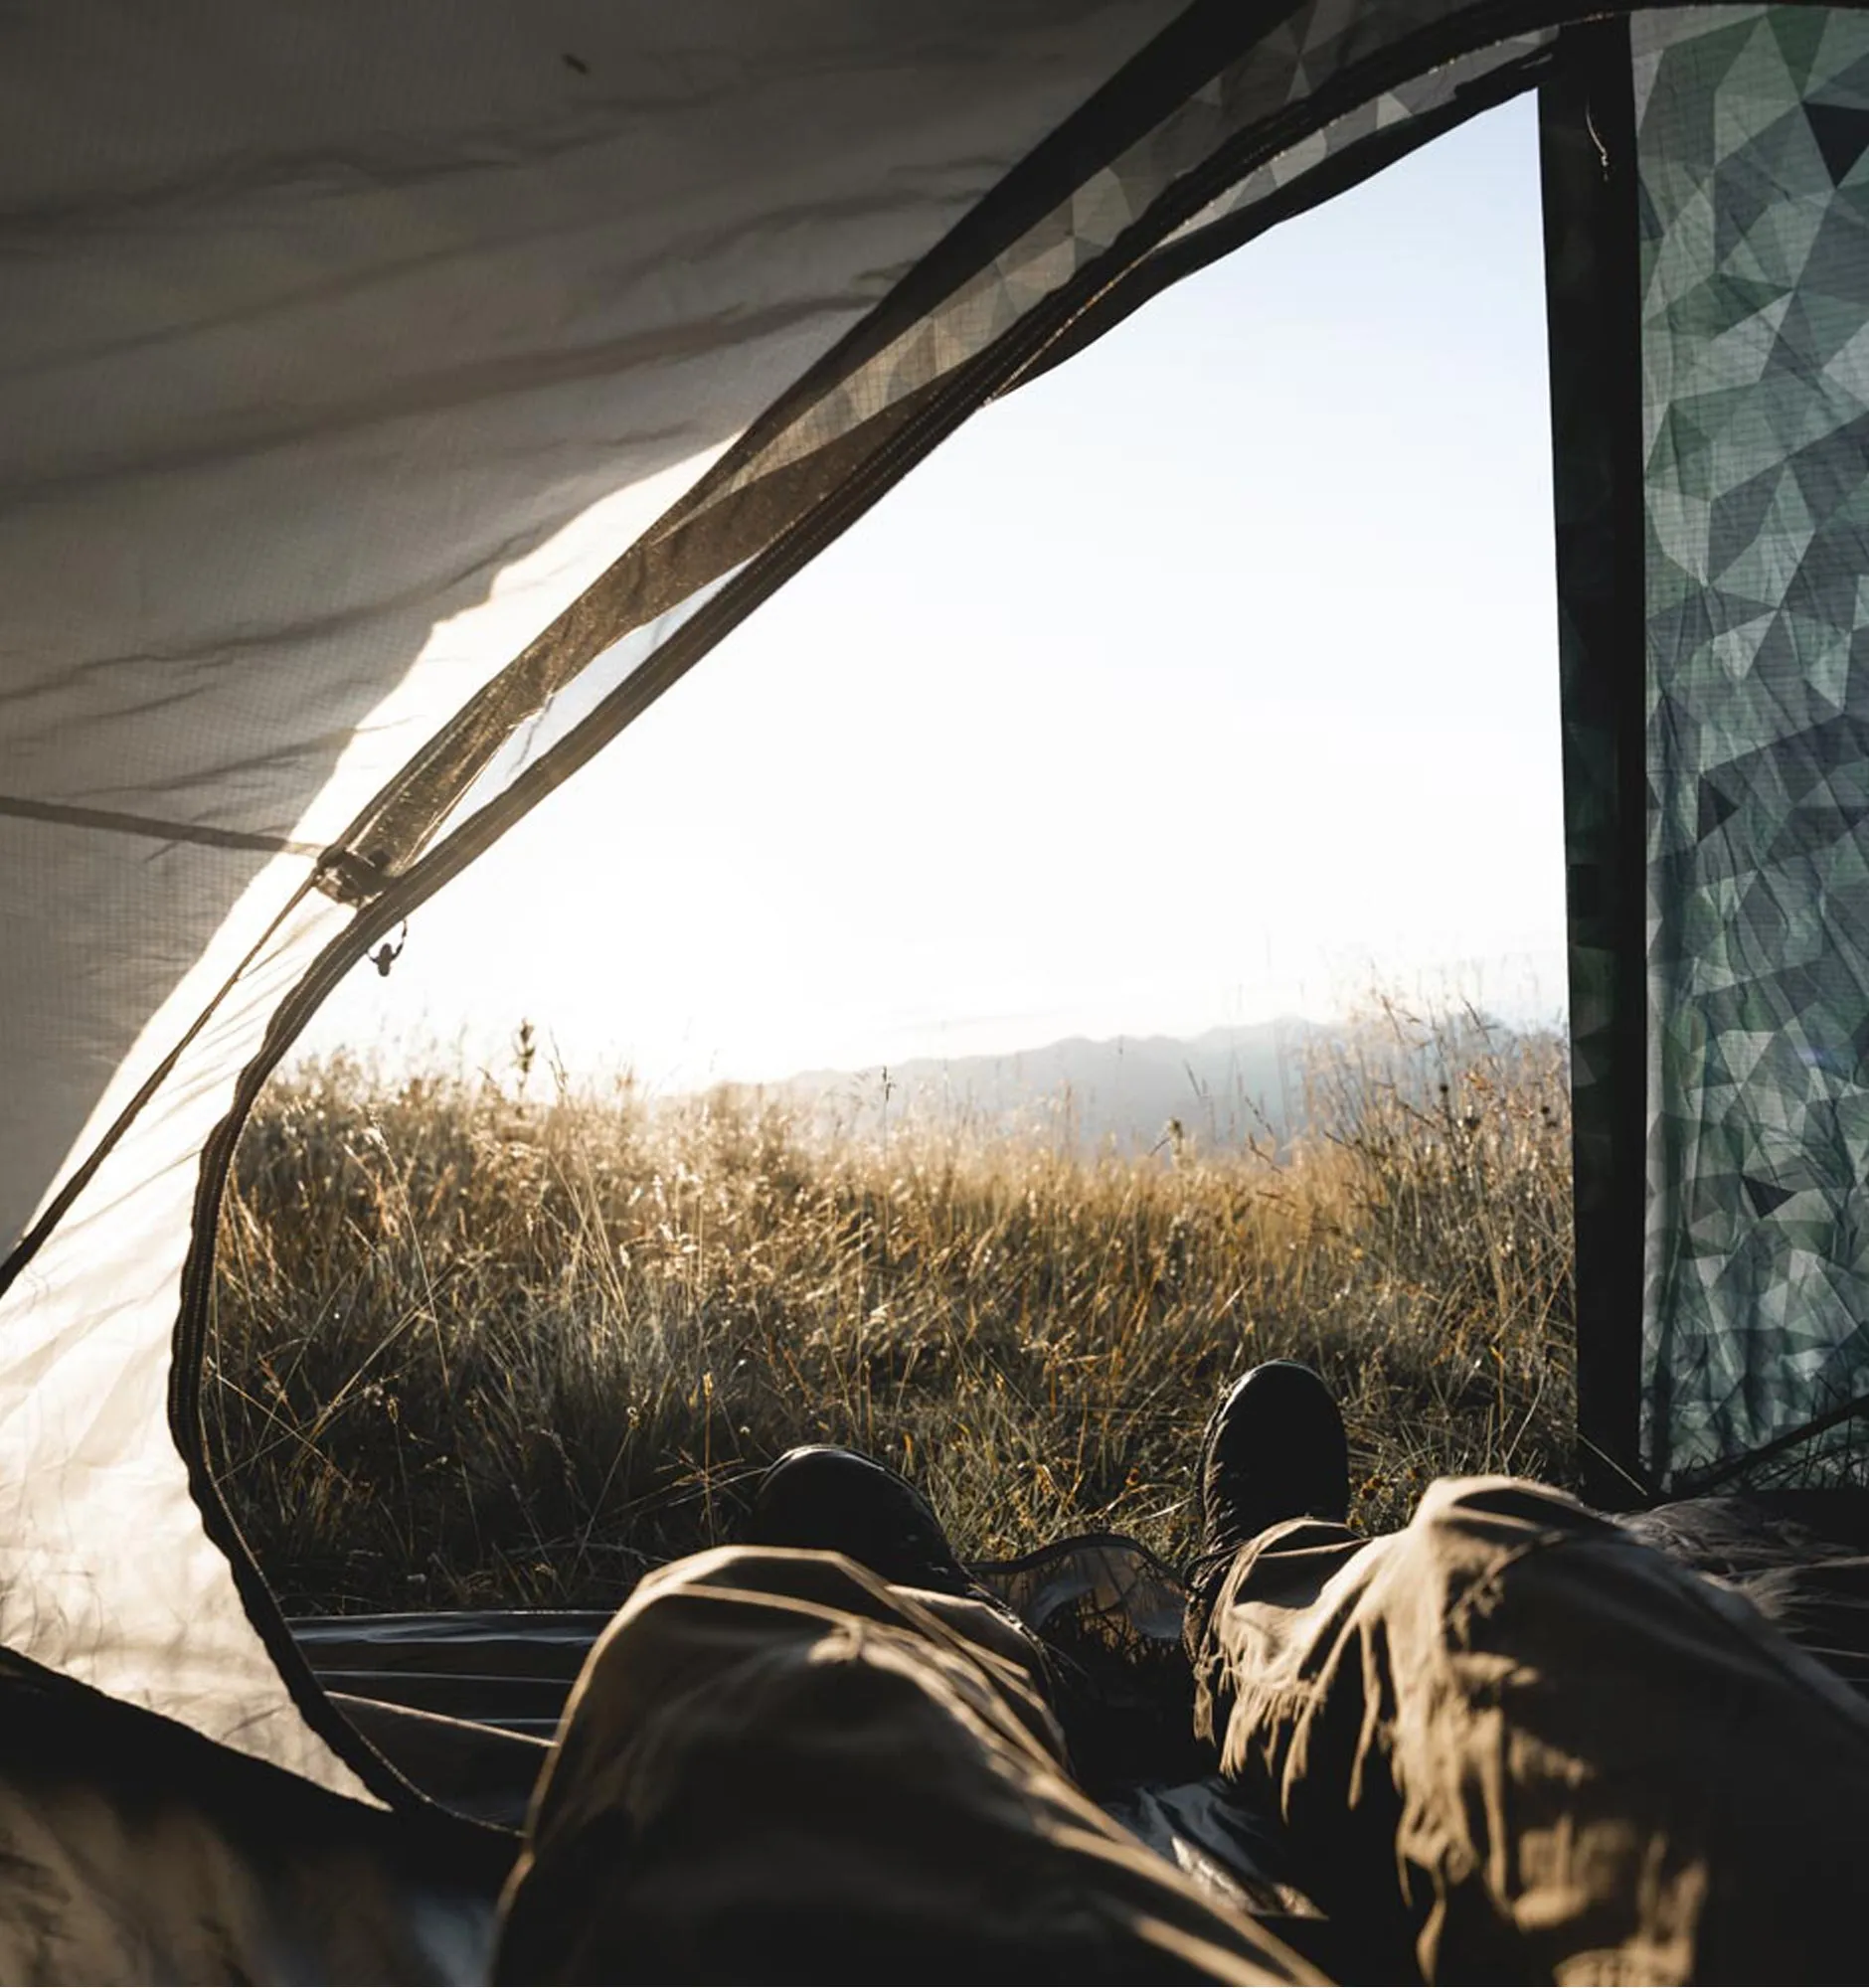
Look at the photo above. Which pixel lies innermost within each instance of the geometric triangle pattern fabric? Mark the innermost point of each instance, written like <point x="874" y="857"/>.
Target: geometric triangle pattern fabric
<point x="1413" y="98"/>
<point x="1753" y="154"/>
<point x="1309" y="48"/>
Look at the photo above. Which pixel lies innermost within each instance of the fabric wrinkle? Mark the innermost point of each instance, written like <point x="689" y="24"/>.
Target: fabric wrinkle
<point x="850" y="1782"/>
<point x="1528" y="1743"/>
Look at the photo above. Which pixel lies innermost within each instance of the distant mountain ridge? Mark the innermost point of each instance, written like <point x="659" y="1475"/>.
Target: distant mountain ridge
<point x="1132" y="1094"/>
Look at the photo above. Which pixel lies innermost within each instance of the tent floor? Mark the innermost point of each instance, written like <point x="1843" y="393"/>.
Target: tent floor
<point x="137" y="1850"/>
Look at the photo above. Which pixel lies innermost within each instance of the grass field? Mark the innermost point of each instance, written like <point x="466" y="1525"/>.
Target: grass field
<point x="499" y="1343"/>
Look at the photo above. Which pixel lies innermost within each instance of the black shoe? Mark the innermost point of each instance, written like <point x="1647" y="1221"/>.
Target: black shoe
<point x="839" y="1501"/>
<point x="1273" y="1449"/>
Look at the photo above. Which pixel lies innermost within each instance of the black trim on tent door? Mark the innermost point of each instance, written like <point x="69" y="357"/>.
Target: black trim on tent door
<point x="1587" y="143"/>
<point x="1338" y="173"/>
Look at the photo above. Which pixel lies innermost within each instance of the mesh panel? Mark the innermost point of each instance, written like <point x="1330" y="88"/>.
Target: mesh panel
<point x="1753" y="125"/>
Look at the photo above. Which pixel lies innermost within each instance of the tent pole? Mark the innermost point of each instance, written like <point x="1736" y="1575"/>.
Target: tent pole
<point x="1586" y="141"/>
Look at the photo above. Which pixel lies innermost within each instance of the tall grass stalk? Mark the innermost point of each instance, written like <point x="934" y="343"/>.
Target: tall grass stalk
<point x="472" y="1348"/>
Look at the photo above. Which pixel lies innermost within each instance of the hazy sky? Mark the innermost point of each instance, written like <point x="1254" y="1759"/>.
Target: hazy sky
<point x="1199" y="681"/>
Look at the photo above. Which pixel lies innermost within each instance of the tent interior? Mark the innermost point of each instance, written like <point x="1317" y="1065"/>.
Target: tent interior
<point x="397" y="407"/>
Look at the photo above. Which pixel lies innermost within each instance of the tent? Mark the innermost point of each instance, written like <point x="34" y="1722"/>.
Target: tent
<point x="397" y="401"/>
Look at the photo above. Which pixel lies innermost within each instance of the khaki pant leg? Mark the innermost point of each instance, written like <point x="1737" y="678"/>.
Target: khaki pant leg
<point x="776" y="1768"/>
<point x="1518" y="1745"/>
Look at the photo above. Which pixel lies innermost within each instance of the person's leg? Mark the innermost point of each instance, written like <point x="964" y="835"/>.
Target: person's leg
<point x="778" y="1767"/>
<point x="1519" y="1745"/>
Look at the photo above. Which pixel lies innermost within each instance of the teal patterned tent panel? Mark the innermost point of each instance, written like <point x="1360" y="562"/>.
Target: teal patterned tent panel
<point x="1754" y="170"/>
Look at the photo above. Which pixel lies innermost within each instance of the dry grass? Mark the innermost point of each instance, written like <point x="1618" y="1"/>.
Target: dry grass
<point x="472" y="1348"/>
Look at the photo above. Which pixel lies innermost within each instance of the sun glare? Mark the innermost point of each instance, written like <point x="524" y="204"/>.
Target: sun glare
<point x="1206" y="678"/>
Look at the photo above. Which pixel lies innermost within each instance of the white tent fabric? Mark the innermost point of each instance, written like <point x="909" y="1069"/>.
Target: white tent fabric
<point x="342" y="348"/>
